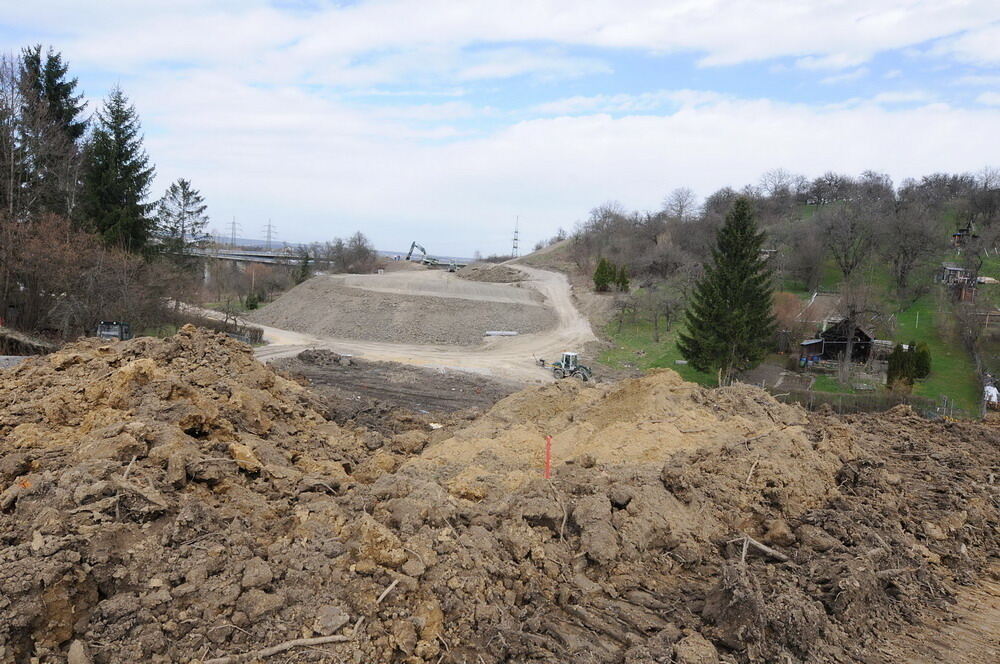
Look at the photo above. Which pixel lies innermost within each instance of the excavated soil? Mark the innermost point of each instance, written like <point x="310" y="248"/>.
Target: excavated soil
<point x="175" y="501"/>
<point x="488" y="272"/>
<point x="328" y="307"/>
<point x="387" y="396"/>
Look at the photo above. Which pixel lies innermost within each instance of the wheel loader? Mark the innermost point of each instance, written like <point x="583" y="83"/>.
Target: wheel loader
<point x="568" y="365"/>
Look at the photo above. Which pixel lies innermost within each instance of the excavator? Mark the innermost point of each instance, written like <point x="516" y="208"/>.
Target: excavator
<point x="450" y="265"/>
<point x="416" y="246"/>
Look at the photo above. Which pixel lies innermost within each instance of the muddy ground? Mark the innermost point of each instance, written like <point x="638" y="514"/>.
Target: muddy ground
<point x="175" y="501"/>
<point x="378" y="394"/>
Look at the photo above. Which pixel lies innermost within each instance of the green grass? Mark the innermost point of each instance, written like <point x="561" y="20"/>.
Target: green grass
<point x="952" y="371"/>
<point x="638" y="336"/>
<point x="827" y="383"/>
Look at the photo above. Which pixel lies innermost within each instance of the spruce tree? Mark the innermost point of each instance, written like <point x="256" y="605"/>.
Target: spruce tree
<point x="50" y="129"/>
<point x="181" y="218"/>
<point x="45" y="83"/>
<point x="118" y="175"/>
<point x="729" y="321"/>
<point x="603" y="275"/>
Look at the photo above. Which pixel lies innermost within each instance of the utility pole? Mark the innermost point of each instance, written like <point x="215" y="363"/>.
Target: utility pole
<point x="513" y="251"/>
<point x="232" y="233"/>
<point x="269" y="233"/>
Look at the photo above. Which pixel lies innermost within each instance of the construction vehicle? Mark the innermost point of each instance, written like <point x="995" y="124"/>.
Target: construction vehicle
<point x="416" y="246"/>
<point x="568" y="365"/>
<point x="114" y="330"/>
<point x="450" y="264"/>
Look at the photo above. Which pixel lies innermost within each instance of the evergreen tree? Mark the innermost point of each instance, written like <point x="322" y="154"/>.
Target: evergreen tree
<point x="922" y="361"/>
<point x="50" y="129"/>
<point x="897" y="370"/>
<point x="181" y="218"/>
<point x="117" y="178"/>
<point x="46" y="84"/>
<point x="729" y="322"/>
<point x="621" y="280"/>
<point x="604" y="275"/>
<point x="304" y="270"/>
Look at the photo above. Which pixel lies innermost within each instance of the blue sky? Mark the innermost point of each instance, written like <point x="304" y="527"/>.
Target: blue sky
<point x="441" y="121"/>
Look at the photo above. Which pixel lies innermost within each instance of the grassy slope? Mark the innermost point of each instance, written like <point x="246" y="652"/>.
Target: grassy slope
<point x="952" y="371"/>
<point x="639" y="337"/>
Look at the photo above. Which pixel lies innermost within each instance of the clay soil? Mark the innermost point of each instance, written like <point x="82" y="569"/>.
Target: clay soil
<point x="176" y="501"/>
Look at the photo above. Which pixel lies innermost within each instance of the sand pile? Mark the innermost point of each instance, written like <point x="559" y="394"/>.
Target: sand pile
<point x="174" y="501"/>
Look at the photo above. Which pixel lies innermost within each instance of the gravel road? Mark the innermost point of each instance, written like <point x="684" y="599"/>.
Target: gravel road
<point x="503" y="357"/>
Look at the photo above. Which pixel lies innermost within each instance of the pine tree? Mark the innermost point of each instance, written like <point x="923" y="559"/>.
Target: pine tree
<point x="729" y="322"/>
<point x="118" y="174"/>
<point x="181" y="218"/>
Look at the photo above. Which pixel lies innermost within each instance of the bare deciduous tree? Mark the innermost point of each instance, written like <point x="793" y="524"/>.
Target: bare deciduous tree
<point x="681" y="204"/>
<point x="909" y="237"/>
<point x="848" y="232"/>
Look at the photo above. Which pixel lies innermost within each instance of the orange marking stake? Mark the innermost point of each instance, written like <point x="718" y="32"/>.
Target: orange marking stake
<point x="548" y="457"/>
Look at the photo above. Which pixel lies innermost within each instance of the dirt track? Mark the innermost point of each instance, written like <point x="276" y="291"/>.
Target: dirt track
<point x="504" y="357"/>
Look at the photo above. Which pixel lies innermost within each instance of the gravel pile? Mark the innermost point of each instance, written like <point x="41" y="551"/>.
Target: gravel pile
<point x="325" y="308"/>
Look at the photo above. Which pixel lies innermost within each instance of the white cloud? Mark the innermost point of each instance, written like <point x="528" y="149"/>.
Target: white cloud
<point x="979" y="46"/>
<point x="845" y="77"/>
<point x="903" y="97"/>
<point x="266" y="110"/>
<point x="321" y="168"/>
<point x="978" y="80"/>
<point x="621" y="103"/>
<point x="989" y="98"/>
<point x="272" y="44"/>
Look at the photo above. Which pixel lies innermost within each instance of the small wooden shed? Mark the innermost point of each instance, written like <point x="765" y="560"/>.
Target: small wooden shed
<point x="835" y="340"/>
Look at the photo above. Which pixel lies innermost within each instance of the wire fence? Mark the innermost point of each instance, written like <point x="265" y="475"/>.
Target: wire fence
<point x="868" y="403"/>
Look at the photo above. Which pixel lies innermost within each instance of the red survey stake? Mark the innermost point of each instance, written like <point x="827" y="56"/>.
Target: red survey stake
<point x="548" y="457"/>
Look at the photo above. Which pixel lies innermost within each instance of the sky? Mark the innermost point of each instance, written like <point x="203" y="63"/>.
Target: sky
<point x="443" y="121"/>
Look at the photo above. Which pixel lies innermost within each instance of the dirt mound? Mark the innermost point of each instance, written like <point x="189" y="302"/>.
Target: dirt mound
<point x="174" y="501"/>
<point x="488" y="272"/>
<point x="325" y="307"/>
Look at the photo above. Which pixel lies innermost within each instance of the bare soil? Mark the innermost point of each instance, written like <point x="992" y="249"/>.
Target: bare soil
<point x="491" y="273"/>
<point x="408" y="309"/>
<point x="388" y="396"/>
<point x="175" y="501"/>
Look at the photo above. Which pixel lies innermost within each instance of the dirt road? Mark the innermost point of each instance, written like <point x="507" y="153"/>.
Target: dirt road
<point x="505" y="357"/>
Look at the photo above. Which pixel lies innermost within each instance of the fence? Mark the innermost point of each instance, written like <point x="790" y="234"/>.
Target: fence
<point x="868" y="403"/>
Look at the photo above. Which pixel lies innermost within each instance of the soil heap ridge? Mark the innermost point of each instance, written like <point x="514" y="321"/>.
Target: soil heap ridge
<point x="175" y="501"/>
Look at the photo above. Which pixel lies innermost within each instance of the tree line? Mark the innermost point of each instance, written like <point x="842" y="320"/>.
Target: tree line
<point x="800" y="228"/>
<point x="80" y="239"/>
